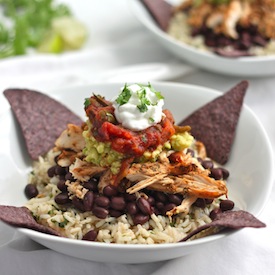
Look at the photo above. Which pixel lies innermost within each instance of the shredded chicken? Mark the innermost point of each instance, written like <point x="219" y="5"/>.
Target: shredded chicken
<point x="70" y="144"/>
<point x="184" y="207"/>
<point x="201" y="150"/>
<point x="83" y="171"/>
<point x="106" y="178"/>
<point x="231" y="18"/>
<point x="71" y="138"/>
<point x="199" y="185"/>
<point x="76" y="189"/>
<point x="67" y="157"/>
<point x="184" y="178"/>
<point x="147" y="181"/>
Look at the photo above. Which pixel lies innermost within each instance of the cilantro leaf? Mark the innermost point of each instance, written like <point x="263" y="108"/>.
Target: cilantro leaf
<point x="124" y="96"/>
<point x="144" y="101"/>
<point x="159" y="95"/>
<point x="87" y="102"/>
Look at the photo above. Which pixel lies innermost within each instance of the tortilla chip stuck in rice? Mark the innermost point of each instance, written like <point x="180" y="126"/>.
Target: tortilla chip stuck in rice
<point x="160" y="10"/>
<point x="229" y="219"/>
<point x="41" y="119"/>
<point x="215" y="123"/>
<point x="22" y="217"/>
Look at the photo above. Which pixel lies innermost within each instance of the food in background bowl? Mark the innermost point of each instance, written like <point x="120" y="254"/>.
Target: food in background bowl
<point x="231" y="28"/>
<point x="130" y="175"/>
<point x="151" y="16"/>
<point x="227" y="27"/>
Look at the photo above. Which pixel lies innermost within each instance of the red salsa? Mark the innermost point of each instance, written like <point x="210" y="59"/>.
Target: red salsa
<point x="105" y="128"/>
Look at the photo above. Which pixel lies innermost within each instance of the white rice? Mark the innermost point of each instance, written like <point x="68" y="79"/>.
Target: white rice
<point x="74" y="224"/>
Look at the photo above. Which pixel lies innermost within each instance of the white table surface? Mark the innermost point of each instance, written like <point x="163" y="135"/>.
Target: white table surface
<point x="114" y="44"/>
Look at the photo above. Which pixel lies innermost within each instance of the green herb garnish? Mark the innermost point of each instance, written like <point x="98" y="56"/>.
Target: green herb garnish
<point x="124" y="96"/>
<point x="158" y="94"/>
<point x="60" y="224"/>
<point x="63" y="224"/>
<point x="144" y="101"/>
<point x="87" y="102"/>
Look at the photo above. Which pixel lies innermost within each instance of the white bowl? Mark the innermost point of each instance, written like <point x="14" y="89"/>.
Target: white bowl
<point x="243" y="66"/>
<point x="250" y="166"/>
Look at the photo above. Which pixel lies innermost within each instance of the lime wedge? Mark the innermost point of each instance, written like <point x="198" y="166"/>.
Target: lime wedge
<point x="52" y="43"/>
<point x="72" y="32"/>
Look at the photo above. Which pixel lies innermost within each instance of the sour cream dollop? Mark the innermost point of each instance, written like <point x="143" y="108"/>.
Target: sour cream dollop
<point x="138" y="107"/>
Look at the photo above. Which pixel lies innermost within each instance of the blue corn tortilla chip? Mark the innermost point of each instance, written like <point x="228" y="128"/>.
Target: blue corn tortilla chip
<point x="215" y="123"/>
<point x="232" y="53"/>
<point x="41" y="118"/>
<point x="160" y="10"/>
<point x="22" y="217"/>
<point x="228" y="219"/>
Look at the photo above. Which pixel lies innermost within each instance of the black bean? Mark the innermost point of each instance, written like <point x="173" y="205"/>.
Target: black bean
<point x="144" y="206"/>
<point x="225" y="173"/>
<point x="62" y="198"/>
<point x="151" y="200"/>
<point x="207" y="164"/>
<point x="118" y="203"/>
<point x="226" y="205"/>
<point x="31" y="190"/>
<point x="160" y="197"/>
<point x="200" y="203"/>
<point x="91" y="185"/>
<point x="208" y="201"/>
<point x="174" y="198"/>
<point x="110" y="191"/>
<point x="78" y="203"/>
<point x="115" y="213"/>
<point x="216" y="173"/>
<point x="90" y="236"/>
<point x="213" y="214"/>
<point x="140" y="219"/>
<point x="88" y="200"/>
<point x="69" y="176"/>
<point x="51" y="171"/>
<point x="155" y="210"/>
<point x="159" y="205"/>
<point x="168" y="207"/>
<point x="61" y="185"/>
<point x="102" y="201"/>
<point x="259" y="40"/>
<point x="130" y="197"/>
<point x="210" y="42"/>
<point x="60" y="171"/>
<point x="224" y="41"/>
<point x="132" y="208"/>
<point x="100" y="212"/>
